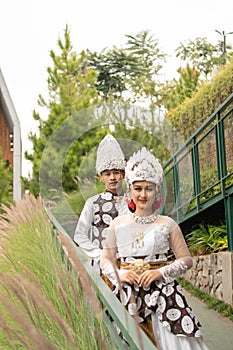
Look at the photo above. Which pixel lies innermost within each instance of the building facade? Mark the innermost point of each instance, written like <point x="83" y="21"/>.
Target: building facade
<point x="10" y="137"/>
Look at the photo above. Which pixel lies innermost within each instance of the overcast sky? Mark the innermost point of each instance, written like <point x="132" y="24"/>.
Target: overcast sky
<point x="29" y="29"/>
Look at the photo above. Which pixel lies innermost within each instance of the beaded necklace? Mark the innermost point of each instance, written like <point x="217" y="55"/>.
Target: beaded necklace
<point x="145" y="219"/>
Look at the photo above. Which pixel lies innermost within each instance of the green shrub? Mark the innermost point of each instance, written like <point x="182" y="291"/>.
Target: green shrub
<point x="206" y="239"/>
<point x="195" y="110"/>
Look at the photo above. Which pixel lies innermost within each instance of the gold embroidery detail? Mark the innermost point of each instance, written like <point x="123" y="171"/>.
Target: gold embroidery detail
<point x="137" y="240"/>
<point x="139" y="265"/>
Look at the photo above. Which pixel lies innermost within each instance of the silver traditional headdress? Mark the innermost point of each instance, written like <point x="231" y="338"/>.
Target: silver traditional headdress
<point x="143" y="166"/>
<point x="109" y="155"/>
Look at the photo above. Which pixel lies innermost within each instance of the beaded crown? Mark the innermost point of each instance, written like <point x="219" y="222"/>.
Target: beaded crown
<point x="143" y="166"/>
<point x="109" y="155"/>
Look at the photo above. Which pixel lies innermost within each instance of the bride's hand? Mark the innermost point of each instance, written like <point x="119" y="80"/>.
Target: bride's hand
<point x="148" y="276"/>
<point x="130" y="277"/>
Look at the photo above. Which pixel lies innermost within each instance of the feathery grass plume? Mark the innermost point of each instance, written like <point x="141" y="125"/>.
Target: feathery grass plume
<point x="100" y="340"/>
<point x="25" y="210"/>
<point x="43" y="293"/>
<point x="35" y="340"/>
<point x="30" y="296"/>
<point x="11" y="332"/>
<point x="63" y="292"/>
<point x="85" y="282"/>
<point x="82" y="275"/>
<point x="73" y="290"/>
<point x="10" y="284"/>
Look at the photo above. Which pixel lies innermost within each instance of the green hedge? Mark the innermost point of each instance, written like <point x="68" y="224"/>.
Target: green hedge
<point x="195" y="110"/>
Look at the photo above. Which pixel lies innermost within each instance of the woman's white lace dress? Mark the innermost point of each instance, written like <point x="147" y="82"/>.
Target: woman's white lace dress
<point x="174" y="325"/>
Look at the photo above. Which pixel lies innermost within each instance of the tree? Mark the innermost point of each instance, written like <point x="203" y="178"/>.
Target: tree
<point x="78" y="82"/>
<point x="201" y="60"/>
<point x="130" y="72"/>
<point x="71" y="87"/>
<point x="177" y="90"/>
<point x="203" y="56"/>
<point x="75" y="83"/>
<point x="145" y="49"/>
<point x="113" y="66"/>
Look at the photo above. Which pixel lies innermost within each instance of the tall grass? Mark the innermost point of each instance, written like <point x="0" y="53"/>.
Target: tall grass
<point x="44" y="304"/>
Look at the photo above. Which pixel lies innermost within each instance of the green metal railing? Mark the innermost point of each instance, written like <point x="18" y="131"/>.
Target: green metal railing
<point x="200" y="174"/>
<point x="136" y="338"/>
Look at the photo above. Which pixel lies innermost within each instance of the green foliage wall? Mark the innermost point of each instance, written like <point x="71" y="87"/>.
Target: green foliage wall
<point x="190" y="115"/>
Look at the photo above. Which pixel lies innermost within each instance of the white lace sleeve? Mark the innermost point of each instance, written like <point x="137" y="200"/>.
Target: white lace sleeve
<point x="108" y="259"/>
<point x="183" y="260"/>
<point x="111" y="273"/>
<point x="173" y="270"/>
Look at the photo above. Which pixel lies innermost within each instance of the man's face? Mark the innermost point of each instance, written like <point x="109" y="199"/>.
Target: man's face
<point x="113" y="180"/>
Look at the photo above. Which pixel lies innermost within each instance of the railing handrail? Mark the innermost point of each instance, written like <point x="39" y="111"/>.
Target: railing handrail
<point x="222" y="189"/>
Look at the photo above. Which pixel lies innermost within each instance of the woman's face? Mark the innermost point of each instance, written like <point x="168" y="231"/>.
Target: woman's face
<point x="143" y="194"/>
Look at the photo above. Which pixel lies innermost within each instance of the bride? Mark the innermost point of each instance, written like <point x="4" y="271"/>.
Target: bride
<point x="142" y="277"/>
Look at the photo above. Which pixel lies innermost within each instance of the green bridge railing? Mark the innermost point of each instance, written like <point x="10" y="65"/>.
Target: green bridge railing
<point x="200" y="174"/>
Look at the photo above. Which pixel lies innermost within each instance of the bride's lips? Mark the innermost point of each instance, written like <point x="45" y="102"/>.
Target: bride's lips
<point x="142" y="200"/>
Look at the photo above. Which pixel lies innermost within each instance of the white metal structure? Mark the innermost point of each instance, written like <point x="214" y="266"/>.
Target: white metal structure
<point x="14" y="126"/>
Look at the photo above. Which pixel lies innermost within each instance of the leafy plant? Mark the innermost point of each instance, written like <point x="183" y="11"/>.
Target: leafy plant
<point x="207" y="239"/>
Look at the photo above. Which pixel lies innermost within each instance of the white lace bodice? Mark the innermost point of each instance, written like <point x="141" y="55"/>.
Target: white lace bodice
<point x="142" y="239"/>
<point x="129" y="240"/>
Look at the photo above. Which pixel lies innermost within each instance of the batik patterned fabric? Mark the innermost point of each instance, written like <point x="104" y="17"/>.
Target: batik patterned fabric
<point x="105" y="210"/>
<point x="167" y="301"/>
<point x="98" y="212"/>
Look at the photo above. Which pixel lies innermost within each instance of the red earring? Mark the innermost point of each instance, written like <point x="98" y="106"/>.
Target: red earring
<point x="157" y="203"/>
<point x="131" y="204"/>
